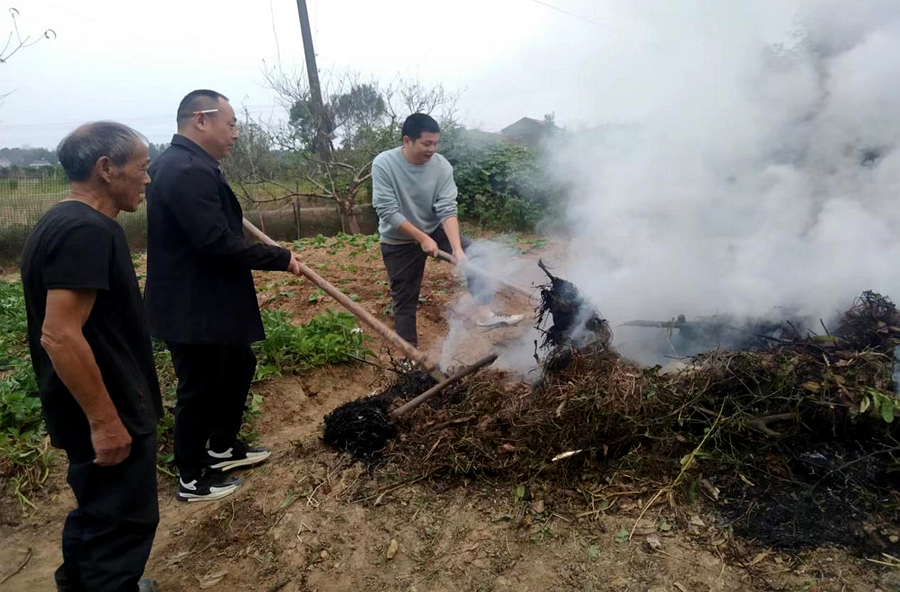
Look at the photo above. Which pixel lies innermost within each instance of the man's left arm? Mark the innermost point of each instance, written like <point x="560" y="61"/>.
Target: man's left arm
<point x="445" y="206"/>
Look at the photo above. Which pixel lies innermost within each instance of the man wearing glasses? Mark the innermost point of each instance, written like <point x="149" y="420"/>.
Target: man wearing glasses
<point x="200" y="296"/>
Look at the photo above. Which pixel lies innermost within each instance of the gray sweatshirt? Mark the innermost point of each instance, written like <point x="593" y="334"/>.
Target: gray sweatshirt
<point x="423" y="194"/>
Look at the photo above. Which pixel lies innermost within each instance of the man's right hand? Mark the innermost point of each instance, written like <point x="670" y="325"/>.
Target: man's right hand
<point x="429" y="246"/>
<point x="294" y="265"/>
<point x="111" y="442"/>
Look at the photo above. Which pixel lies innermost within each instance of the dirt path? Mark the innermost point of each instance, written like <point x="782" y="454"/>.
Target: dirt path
<point x="311" y="520"/>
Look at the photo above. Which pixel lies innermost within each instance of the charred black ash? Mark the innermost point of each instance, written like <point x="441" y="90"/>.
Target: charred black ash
<point x="575" y="322"/>
<point x="363" y="427"/>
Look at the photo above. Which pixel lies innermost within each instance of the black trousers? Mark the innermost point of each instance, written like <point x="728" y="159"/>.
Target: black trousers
<point x="106" y="540"/>
<point x="213" y="384"/>
<point x="405" y="265"/>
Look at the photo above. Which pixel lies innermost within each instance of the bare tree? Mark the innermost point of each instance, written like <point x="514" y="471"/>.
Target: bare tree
<point x="364" y="118"/>
<point x="15" y="42"/>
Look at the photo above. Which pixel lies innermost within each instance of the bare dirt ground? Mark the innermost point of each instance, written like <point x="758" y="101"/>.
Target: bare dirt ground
<point x="313" y="520"/>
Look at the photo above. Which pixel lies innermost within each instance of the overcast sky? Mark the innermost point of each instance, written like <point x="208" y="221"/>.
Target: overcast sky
<point x="587" y="61"/>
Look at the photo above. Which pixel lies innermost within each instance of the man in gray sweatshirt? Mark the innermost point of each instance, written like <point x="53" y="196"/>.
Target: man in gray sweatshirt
<point x="414" y="194"/>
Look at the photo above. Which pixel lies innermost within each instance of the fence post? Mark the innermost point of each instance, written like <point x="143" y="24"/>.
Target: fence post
<point x="262" y="222"/>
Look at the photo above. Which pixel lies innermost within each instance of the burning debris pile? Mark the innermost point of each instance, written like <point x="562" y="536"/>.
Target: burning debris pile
<point x="724" y="332"/>
<point x="873" y="322"/>
<point x="731" y="413"/>
<point x="576" y="324"/>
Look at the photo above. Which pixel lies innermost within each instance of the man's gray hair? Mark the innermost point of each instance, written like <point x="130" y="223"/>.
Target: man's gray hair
<point x="79" y="152"/>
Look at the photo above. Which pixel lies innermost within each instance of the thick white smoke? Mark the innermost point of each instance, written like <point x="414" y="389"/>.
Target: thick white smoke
<point x="465" y="341"/>
<point x="753" y="174"/>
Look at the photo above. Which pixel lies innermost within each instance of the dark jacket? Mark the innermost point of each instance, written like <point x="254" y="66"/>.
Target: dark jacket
<point x="199" y="286"/>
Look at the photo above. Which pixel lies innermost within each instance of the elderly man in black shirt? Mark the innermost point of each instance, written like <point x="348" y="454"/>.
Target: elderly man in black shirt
<point x="90" y="347"/>
<point x="200" y="296"/>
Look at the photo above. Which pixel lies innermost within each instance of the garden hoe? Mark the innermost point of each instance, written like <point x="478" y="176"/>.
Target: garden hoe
<point x="443" y="381"/>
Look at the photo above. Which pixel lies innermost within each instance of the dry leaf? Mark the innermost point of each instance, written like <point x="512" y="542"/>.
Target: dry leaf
<point x="710" y="488"/>
<point x="210" y="580"/>
<point x="812" y="386"/>
<point x="563" y="455"/>
<point x="392" y="549"/>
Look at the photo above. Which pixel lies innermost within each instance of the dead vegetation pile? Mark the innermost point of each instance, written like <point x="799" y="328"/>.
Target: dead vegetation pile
<point x="729" y="417"/>
<point x="740" y="401"/>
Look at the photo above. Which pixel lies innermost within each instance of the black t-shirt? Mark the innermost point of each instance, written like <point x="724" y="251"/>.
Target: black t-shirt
<point x="73" y="246"/>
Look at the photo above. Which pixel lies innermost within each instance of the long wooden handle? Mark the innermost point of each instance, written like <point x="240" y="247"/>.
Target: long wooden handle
<point x="410" y="405"/>
<point x="443" y="255"/>
<point x="362" y="314"/>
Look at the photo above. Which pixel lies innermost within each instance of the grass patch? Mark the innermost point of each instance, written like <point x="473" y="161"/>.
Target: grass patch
<point x="24" y="452"/>
<point x="329" y="338"/>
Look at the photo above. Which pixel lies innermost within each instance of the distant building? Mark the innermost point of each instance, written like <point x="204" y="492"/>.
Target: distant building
<point x="529" y="131"/>
<point x="5" y="163"/>
<point x="40" y="164"/>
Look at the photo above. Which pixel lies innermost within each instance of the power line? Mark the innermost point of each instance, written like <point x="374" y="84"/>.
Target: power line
<point x="566" y="12"/>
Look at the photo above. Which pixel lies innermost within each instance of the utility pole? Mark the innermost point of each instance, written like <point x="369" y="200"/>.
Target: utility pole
<point x="323" y="125"/>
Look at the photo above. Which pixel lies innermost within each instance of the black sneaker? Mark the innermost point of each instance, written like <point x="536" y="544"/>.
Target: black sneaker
<point x="211" y="485"/>
<point x="65" y="582"/>
<point x="239" y="455"/>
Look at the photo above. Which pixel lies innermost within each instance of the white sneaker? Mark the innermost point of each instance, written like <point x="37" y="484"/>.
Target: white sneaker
<point x="496" y="320"/>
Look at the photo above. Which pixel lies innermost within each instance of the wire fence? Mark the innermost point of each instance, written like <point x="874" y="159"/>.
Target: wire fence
<point x="24" y="199"/>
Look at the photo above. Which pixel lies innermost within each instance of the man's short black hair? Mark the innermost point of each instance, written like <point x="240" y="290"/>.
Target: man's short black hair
<point x="79" y="151"/>
<point x="419" y="123"/>
<point x="197" y="100"/>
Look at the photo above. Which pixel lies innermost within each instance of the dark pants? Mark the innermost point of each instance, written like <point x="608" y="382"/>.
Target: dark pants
<point x="213" y="383"/>
<point x="106" y="540"/>
<point x="405" y="266"/>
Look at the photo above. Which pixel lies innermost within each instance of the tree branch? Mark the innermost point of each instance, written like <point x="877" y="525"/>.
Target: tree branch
<point x="342" y="165"/>
<point x="21" y="43"/>
<point x="761" y="424"/>
<point x="316" y="183"/>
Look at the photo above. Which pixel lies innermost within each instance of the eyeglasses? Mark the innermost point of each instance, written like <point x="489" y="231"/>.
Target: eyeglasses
<point x="205" y="111"/>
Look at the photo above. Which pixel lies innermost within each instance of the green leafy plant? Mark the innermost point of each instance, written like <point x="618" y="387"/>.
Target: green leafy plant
<point x="880" y="404"/>
<point x="329" y="338"/>
<point x="24" y="455"/>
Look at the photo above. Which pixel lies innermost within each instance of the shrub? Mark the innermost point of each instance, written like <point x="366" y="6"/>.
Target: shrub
<point x="502" y="186"/>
